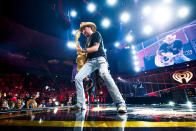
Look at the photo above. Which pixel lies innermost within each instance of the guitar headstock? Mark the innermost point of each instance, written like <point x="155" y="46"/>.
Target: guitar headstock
<point x="77" y="37"/>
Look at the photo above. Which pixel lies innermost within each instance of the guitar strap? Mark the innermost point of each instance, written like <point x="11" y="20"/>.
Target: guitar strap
<point x="88" y="41"/>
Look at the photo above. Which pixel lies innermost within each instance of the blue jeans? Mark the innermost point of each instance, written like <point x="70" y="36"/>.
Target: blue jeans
<point x="89" y="67"/>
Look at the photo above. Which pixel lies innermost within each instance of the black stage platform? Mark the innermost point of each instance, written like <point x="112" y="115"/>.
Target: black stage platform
<point x="101" y="117"/>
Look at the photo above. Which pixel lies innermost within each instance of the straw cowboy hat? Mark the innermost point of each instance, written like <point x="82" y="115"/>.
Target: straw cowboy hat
<point x="85" y="24"/>
<point x="170" y="38"/>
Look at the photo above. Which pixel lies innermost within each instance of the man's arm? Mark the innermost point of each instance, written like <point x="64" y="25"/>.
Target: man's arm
<point x="90" y="49"/>
<point x="93" y="48"/>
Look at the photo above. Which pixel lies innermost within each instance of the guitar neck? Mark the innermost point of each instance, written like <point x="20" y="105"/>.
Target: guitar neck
<point x="77" y="37"/>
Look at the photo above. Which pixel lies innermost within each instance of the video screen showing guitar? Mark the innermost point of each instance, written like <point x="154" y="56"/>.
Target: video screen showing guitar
<point x="173" y="47"/>
<point x="170" y="52"/>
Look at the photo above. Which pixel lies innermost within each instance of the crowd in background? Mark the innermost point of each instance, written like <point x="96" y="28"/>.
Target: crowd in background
<point x="16" y="93"/>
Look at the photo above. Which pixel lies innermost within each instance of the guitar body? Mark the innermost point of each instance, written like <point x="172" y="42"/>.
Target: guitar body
<point x="165" y="59"/>
<point x="81" y="58"/>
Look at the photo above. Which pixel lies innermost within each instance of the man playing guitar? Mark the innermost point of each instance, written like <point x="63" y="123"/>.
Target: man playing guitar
<point x="170" y="52"/>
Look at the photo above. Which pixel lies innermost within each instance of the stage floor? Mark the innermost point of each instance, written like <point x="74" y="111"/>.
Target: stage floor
<point x="102" y="117"/>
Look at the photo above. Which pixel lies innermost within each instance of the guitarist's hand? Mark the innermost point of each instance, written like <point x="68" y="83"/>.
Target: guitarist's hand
<point x="79" y="48"/>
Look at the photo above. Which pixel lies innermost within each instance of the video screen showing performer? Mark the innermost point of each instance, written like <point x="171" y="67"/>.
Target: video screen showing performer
<point x="169" y="48"/>
<point x="170" y="52"/>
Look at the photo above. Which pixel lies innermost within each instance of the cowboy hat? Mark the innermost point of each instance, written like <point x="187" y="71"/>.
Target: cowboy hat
<point x="85" y="24"/>
<point x="170" y="38"/>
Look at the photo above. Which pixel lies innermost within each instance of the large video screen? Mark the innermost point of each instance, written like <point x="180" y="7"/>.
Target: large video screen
<point x="173" y="47"/>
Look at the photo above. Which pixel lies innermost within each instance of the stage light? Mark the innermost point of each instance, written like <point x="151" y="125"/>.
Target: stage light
<point x="71" y="44"/>
<point x="105" y="50"/>
<point x="146" y="10"/>
<point x="183" y="12"/>
<point x="132" y="47"/>
<point x="136" y="63"/>
<point x="147" y="29"/>
<point x="117" y="44"/>
<point x="111" y="2"/>
<point x="53" y="99"/>
<point x="74" y="32"/>
<point x="129" y="38"/>
<point x="73" y="13"/>
<point x="168" y="1"/>
<point x="171" y="103"/>
<point x="125" y="17"/>
<point x="162" y="16"/>
<point x="133" y="52"/>
<point x="91" y="7"/>
<point x="189" y="104"/>
<point x="106" y="23"/>
<point x="137" y="69"/>
<point x="119" y="78"/>
<point x="135" y="57"/>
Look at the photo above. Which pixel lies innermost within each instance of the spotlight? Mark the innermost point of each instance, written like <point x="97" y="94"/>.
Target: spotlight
<point x="117" y="44"/>
<point x="91" y="7"/>
<point x="119" y="78"/>
<point x="162" y="15"/>
<point x="171" y="103"/>
<point x="71" y="44"/>
<point x="53" y="99"/>
<point x="136" y="63"/>
<point x="73" y="13"/>
<point x="105" y="50"/>
<point x="132" y="47"/>
<point x="111" y="2"/>
<point x="135" y="57"/>
<point x="125" y="17"/>
<point x="133" y="52"/>
<point x="183" y="12"/>
<point x="147" y="29"/>
<point x="129" y="38"/>
<point x="137" y="69"/>
<point x="74" y="32"/>
<point x="189" y="104"/>
<point x="105" y="23"/>
<point x="146" y="10"/>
